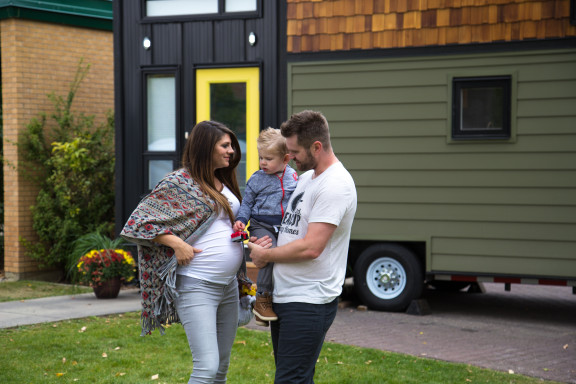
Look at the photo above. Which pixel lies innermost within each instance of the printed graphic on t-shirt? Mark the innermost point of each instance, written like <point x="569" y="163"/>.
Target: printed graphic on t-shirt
<point x="292" y="217"/>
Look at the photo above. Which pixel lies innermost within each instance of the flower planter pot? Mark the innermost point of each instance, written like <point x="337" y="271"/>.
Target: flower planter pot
<point x="108" y="289"/>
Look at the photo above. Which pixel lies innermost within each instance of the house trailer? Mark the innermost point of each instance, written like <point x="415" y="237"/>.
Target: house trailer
<point x="457" y="120"/>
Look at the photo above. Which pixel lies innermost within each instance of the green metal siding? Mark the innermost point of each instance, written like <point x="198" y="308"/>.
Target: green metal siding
<point x="482" y="207"/>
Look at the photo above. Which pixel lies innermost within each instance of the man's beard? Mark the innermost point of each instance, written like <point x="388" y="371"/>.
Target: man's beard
<point x="308" y="163"/>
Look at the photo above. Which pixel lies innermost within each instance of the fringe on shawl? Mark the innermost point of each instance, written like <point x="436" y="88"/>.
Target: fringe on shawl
<point x="164" y="311"/>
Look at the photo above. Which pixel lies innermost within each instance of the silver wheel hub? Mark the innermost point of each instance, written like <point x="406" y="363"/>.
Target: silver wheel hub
<point x="386" y="278"/>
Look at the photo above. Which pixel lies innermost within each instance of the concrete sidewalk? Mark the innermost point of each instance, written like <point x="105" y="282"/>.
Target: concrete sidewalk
<point x="17" y="313"/>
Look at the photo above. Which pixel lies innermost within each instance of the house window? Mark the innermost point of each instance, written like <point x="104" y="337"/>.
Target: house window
<point x="157" y="169"/>
<point x="481" y="108"/>
<point x="198" y="7"/>
<point x="161" y="122"/>
<point x="161" y="106"/>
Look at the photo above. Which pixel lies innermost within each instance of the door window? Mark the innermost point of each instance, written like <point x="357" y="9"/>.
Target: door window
<point x="231" y="96"/>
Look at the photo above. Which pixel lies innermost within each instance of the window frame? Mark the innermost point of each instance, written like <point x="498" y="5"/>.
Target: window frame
<point x="221" y="15"/>
<point x="456" y="82"/>
<point x="147" y="155"/>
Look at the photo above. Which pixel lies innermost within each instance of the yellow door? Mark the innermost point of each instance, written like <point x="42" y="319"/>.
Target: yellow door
<point x="232" y="96"/>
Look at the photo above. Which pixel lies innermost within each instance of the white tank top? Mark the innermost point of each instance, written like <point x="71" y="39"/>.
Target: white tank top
<point x="220" y="257"/>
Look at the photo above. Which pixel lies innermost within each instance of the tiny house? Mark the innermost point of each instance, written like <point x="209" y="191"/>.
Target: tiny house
<point x="457" y="120"/>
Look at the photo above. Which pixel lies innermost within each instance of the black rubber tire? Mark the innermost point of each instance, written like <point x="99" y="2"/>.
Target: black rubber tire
<point x="395" y="257"/>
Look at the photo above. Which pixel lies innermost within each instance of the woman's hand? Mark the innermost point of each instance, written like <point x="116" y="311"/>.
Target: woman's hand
<point x="183" y="251"/>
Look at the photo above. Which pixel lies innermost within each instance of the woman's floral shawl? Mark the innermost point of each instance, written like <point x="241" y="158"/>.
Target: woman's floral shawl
<point x="176" y="206"/>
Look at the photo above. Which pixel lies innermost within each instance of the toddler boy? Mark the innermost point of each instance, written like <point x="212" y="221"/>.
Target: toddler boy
<point x="265" y="198"/>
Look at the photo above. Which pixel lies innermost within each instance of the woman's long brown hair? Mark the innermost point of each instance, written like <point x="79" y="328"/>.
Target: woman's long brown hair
<point x="198" y="161"/>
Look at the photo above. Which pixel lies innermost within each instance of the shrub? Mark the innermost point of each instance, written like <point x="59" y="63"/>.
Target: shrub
<point x="72" y="161"/>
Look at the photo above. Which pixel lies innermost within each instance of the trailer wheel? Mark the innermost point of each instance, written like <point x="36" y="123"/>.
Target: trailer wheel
<point x="387" y="277"/>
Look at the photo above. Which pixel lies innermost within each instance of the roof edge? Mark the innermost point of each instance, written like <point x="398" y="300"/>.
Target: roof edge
<point x="84" y="13"/>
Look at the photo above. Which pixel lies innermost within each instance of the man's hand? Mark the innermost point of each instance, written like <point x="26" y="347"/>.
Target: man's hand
<point x="258" y="248"/>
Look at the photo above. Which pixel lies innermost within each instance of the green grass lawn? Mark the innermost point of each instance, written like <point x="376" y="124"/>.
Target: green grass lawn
<point x="110" y="350"/>
<point x="28" y="289"/>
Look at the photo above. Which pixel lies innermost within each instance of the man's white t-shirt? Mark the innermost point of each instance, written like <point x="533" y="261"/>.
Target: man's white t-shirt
<point x="328" y="198"/>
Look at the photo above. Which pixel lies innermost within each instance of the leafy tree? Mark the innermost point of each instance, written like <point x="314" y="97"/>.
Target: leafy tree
<point x="72" y="161"/>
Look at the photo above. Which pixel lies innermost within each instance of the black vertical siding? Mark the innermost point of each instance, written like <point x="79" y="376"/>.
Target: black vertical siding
<point x="185" y="44"/>
<point x="229" y="41"/>
<point x="167" y="44"/>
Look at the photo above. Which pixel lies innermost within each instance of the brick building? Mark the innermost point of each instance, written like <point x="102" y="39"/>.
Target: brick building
<point x="42" y="43"/>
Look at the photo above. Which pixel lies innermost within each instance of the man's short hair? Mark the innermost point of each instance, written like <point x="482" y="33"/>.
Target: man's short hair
<point x="308" y="126"/>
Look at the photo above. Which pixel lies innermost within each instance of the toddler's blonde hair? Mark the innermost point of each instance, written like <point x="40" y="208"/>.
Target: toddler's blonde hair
<point x="272" y="141"/>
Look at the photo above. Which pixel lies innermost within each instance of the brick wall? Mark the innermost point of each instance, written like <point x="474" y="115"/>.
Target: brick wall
<point x="39" y="58"/>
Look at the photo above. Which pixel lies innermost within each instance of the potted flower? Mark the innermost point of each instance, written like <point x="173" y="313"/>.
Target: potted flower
<point x="105" y="269"/>
<point x="102" y="263"/>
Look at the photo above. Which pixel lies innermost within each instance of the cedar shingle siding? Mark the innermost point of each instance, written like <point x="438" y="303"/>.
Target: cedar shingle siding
<point x="315" y="26"/>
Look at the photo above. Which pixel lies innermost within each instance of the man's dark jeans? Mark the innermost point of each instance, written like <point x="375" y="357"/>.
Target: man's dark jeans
<point x="297" y="338"/>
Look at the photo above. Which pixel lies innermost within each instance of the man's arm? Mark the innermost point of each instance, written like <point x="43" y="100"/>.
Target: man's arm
<point x="307" y="248"/>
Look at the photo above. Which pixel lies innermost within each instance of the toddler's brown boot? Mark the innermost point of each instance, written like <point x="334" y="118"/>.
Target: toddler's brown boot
<point x="263" y="308"/>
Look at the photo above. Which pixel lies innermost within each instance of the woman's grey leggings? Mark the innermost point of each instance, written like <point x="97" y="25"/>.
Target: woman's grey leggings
<point x="209" y="314"/>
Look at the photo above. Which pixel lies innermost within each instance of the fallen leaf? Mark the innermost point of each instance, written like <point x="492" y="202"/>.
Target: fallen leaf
<point x="565" y="346"/>
<point x="83" y="329"/>
<point x="104" y="354"/>
<point x="545" y="369"/>
<point x="155" y="377"/>
<point x="243" y="342"/>
<point x="59" y="374"/>
<point x="368" y="362"/>
<point x="63" y="360"/>
<point x="510" y="371"/>
<point x="74" y="362"/>
<point x="117" y="348"/>
<point x="120" y="374"/>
